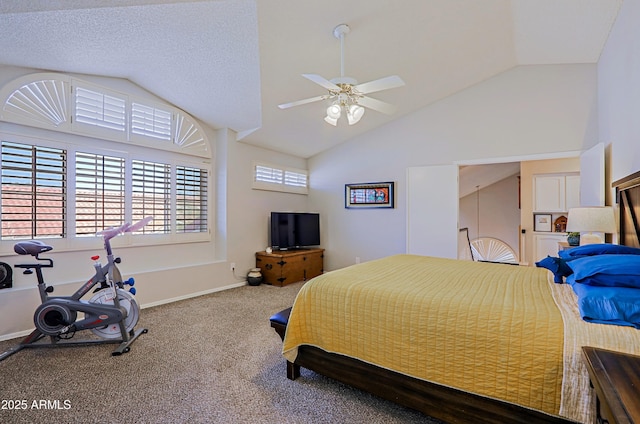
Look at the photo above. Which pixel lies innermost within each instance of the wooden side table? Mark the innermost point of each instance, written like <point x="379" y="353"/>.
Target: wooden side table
<point x="615" y="376"/>
<point x="563" y="245"/>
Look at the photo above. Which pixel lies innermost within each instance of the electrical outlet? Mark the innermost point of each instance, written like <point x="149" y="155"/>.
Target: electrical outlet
<point x="232" y="266"/>
<point x="357" y="259"/>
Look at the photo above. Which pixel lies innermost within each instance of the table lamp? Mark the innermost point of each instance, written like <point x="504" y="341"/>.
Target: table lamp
<point x="598" y="219"/>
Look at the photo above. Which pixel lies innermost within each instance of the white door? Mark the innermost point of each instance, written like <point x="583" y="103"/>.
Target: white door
<point x="432" y="211"/>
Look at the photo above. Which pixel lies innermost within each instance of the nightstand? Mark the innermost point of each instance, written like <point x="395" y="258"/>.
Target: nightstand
<point x="563" y="245"/>
<point x="615" y="377"/>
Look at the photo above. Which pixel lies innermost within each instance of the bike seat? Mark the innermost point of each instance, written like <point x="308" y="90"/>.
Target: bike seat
<point x="31" y="247"/>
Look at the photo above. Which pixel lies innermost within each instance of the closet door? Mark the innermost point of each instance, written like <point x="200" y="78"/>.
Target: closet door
<point x="432" y="211"/>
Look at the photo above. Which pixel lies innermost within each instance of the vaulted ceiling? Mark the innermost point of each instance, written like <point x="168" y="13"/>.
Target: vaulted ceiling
<point x="231" y="62"/>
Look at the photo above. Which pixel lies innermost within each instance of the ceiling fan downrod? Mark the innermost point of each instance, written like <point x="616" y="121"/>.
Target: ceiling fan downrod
<point x="339" y="32"/>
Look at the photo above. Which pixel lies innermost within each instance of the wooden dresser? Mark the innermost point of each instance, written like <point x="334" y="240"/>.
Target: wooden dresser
<point x="283" y="267"/>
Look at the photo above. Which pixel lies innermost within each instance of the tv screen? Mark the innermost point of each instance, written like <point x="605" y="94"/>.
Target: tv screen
<point x="294" y="229"/>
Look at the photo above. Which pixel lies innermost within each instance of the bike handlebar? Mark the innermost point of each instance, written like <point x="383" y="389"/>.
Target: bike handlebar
<point x="110" y="233"/>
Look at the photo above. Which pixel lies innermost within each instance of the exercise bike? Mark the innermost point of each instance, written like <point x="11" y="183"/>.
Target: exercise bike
<point x="111" y="313"/>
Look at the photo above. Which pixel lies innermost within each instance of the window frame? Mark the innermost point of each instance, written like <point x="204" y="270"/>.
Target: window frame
<point x="48" y="100"/>
<point x="75" y="144"/>
<point x="282" y="186"/>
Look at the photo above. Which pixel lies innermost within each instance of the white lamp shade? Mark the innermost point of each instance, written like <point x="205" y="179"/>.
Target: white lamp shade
<point x="599" y="219"/>
<point x="334" y="112"/>
<point x="354" y="114"/>
<point x="330" y="120"/>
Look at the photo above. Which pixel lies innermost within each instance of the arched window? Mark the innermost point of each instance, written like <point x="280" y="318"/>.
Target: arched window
<point x="130" y="157"/>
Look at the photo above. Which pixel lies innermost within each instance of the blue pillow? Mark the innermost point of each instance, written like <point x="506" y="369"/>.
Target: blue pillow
<point x="607" y="270"/>
<point x="598" y="249"/>
<point x="609" y="305"/>
<point x="557" y="266"/>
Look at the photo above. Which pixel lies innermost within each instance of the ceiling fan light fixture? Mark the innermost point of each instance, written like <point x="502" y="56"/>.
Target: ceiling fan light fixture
<point x="334" y="111"/>
<point x="346" y="93"/>
<point x="330" y="120"/>
<point x="354" y="114"/>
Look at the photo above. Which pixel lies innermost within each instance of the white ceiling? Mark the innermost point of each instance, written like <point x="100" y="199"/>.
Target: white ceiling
<point x="231" y="62"/>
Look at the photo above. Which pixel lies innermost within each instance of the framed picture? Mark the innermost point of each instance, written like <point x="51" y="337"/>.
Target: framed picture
<point x="542" y="222"/>
<point x="369" y="195"/>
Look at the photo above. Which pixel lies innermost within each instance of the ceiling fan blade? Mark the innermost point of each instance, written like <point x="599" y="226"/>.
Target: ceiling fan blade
<point x="385" y="83"/>
<point x="322" y="82"/>
<point x="377" y="105"/>
<point x="301" y="102"/>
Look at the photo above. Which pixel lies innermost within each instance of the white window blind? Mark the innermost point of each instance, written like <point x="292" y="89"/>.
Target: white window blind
<point x="100" y="197"/>
<point x="192" y="206"/>
<point x="151" y="188"/>
<point x="275" y="178"/>
<point x="150" y="121"/>
<point x="267" y="174"/>
<point x="33" y="191"/>
<point x="296" y="179"/>
<point x="99" y="109"/>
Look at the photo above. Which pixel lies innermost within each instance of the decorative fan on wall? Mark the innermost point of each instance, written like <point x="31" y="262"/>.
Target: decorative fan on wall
<point x="346" y="94"/>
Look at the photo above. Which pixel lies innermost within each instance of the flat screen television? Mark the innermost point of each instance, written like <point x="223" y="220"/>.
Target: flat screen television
<point x="292" y="230"/>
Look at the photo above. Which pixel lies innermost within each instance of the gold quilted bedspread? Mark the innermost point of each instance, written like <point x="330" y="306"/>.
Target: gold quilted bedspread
<point x="489" y="329"/>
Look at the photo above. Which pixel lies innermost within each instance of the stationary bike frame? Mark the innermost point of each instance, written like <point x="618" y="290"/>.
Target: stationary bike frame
<point x="109" y="278"/>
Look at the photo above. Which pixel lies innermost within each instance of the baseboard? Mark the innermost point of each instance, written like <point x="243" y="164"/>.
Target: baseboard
<point x="192" y="295"/>
<point x="25" y="333"/>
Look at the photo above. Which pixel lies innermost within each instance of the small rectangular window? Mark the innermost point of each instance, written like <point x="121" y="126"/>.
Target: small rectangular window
<point x="267" y="174"/>
<point x="295" y="179"/>
<point x="275" y="178"/>
<point x="191" y="200"/>
<point x="100" y="197"/>
<point x="33" y="191"/>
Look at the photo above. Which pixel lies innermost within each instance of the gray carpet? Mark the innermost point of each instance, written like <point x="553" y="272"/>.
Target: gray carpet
<point x="211" y="359"/>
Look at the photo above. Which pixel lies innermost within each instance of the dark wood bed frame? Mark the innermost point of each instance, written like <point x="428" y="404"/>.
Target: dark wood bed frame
<point x="438" y="401"/>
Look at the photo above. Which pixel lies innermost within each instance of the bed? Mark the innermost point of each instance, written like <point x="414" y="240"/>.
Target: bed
<point x="457" y="340"/>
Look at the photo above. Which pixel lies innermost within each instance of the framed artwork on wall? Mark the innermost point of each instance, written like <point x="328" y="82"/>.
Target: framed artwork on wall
<point x="369" y="195"/>
<point x="542" y="222"/>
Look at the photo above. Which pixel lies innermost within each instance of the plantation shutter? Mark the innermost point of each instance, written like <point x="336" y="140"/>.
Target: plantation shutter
<point x="33" y="191"/>
<point x="191" y="199"/>
<point x="295" y="179"/>
<point x="151" y="188"/>
<point x="99" y="109"/>
<point x="100" y="196"/>
<point x="268" y="174"/>
<point x="150" y="121"/>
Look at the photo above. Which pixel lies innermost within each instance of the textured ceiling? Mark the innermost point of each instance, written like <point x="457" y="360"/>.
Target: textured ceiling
<point x="230" y="63"/>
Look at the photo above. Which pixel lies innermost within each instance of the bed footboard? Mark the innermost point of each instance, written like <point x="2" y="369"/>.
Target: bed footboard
<point x="441" y="402"/>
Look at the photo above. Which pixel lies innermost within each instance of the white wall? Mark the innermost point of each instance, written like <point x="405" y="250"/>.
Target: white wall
<point x="527" y="110"/>
<point x="170" y="272"/>
<point x="499" y="215"/>
<point x="619" y="91"/>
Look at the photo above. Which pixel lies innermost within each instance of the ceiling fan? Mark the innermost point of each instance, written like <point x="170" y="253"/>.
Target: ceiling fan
<point x="345" y="92"/>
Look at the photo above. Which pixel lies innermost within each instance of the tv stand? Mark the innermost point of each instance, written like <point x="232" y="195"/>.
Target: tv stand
<point x="282" y="267"/>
